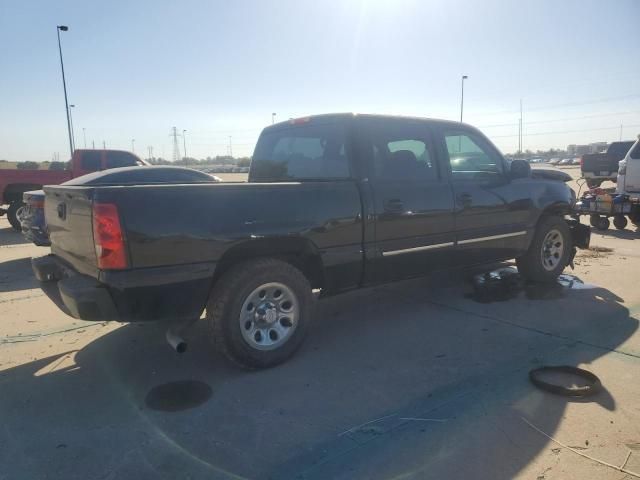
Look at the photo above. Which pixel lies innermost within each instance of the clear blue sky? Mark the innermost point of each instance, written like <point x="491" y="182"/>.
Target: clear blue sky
<point x="220" y="68"/>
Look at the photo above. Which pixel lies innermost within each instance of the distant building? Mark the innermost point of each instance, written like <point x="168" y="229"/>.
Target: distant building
<point x="598" y="147"/>
<point x="578" y="149"/>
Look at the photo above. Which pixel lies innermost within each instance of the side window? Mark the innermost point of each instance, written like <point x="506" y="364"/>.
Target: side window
<point x="301" y="152"/>
<point x="399" y="150"/>
<point x="120" y="159"/>
<point x="471" y="157"/>
<point x="635" y="152"/>
<point x="91" y="160"/>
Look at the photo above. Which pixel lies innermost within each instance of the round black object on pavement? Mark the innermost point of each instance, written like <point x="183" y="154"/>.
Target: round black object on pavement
<point x="176" y="396"/>
<point x="589" y="385"/>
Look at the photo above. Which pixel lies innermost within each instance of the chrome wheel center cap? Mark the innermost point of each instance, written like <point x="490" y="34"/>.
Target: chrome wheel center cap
<point x="266" y="314"/>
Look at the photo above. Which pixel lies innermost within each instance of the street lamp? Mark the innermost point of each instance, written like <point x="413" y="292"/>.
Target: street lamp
<point x="464" y="77"/>
<point x="273" y="118"/>
<point x="73" y="132"/>
<point x="184" y="142"/>
<point x="64" y="28"/>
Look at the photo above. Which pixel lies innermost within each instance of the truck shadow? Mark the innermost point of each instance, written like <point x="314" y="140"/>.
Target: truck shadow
<point x="17" y="275"/>
<point x="392" y="381"/>
<point x="8" y="236"/>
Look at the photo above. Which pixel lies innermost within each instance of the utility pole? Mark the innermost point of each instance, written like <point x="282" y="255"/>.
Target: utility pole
<point x="73" y="133"/>
<point x="93" y="144"/>
<point x="84" y="136"/>
<point x="176" y="148"/>
<point x="520" y="130"/>
<point x="620" y="132"/>
<point x="150" y="149"/>
<point x="64" y="28"/>
<point x="230" y="147"/>
<point x="184" y="142"/>
<point x="464" y="77"/>
<point x="133" y="145"/>
<point x="273" y="118"/>
<point x="104" y="145"/>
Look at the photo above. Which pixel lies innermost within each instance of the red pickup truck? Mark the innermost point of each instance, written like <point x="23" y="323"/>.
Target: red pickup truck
<point x="13" y="183"/>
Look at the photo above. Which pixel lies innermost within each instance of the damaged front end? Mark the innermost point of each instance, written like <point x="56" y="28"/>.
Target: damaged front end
<point x="580" y="236"/>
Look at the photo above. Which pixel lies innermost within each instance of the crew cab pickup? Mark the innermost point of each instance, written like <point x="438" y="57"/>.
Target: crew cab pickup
<point x="598" y="167"/>
<point x="333" y="202"/>
<point x="13" y="183"/>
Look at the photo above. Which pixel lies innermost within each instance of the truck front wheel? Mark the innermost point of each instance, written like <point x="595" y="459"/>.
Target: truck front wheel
<point x="12" y="215"/>
<point x="259" y="311"/>
<point x="549" y="251"/>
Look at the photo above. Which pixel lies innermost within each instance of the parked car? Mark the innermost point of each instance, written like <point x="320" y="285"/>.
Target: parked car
<point x="333" y="202"/>
<point x="565" y="161"/>
<point x="554" y="161"/>
<point x="13" y="183"/>
<point x="32" y="220"/>
<point x="575" y="161"/>
<point x="598" y="167"/>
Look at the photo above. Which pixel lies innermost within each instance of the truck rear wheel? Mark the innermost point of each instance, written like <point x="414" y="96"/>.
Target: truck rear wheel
<point x="592" y="183"/>
<point x="549" y="251"/>
<point x="259" y="311"/>
<point x="12" y="215"/>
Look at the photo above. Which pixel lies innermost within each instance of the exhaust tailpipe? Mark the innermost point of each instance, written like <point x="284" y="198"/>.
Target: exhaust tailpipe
<point x="178" y="343"/>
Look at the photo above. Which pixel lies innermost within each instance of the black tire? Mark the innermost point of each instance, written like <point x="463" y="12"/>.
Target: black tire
<point x="620" y="222"/>
<point x="531" y="264"/>
<point x="594" y="219"/>
<point x="12" y="215"/>
<point x="603" y="224"/>
<point x="226" y="304"/>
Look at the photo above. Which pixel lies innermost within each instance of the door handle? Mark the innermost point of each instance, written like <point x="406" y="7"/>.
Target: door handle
<point x="394" y="205"/>
<point x="464" y="199"/>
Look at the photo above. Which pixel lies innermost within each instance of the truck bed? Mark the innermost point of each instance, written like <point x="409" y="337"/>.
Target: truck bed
<point x="167" y="225"/>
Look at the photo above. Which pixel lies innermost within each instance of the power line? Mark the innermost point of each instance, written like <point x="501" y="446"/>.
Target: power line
<point x="566" y="131"/>
<point x="581" y="117"/>
<point x="562" y="105"/>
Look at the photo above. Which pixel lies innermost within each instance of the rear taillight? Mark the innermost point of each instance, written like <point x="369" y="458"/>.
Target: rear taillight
<point x="108" y="237"/>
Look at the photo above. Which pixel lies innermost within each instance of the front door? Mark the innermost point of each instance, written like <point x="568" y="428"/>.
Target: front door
<point x="412" y="199"/>
<point x="490" y="213"/>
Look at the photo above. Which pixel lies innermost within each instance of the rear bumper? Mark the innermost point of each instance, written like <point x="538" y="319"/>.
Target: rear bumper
<point x="162" y="293"/>
<point x="605" y="174"/>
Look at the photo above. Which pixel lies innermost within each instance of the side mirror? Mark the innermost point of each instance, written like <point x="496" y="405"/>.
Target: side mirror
<point x="520" y="169"/>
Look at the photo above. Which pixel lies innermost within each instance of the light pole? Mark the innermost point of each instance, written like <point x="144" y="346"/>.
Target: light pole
<point x="273" y="118"/>
<point x="64" y="28"/>
<point x="133" y="145"/>
<point x="230" y="147"/>
<point x="184" y="142"/>
<point x="73" y="132"/>
<point x="84" y="136"/>
<point x="464" y="77"/>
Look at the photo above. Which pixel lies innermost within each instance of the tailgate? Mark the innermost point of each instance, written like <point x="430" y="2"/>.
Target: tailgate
<point x="69" y="220"/>
<point x="599" y="163"/>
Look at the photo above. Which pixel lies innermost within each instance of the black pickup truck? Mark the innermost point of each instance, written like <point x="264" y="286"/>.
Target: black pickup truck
<point x="598" y="167"/>
<point x="334" y="202"/>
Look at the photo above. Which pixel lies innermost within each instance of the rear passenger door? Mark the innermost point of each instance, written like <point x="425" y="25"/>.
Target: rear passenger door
<point x="491" y="214"/>
<point x="412" y="201"/>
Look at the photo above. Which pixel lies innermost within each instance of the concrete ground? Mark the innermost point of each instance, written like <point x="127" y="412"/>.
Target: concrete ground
<point x="413" y="380"/>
